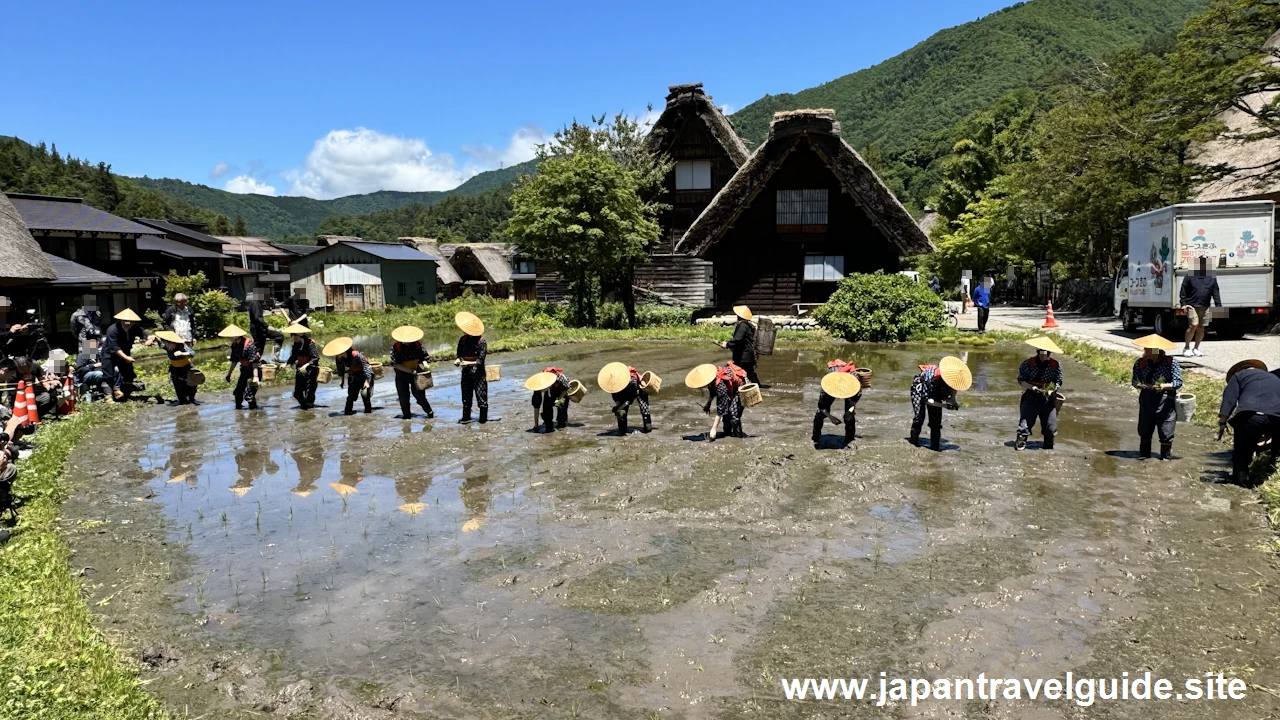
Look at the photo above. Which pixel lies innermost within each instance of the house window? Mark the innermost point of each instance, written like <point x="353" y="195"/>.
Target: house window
<point x="422" y="287"/>
<point x="353" y="291"/>
<point x="401" y="290"/>
<point x="802" y="207"/>
<point x="693" y="175"/>
<point x="823" y="268"/>
<point x="114" y="250"/>
<point x="525" y="267"/>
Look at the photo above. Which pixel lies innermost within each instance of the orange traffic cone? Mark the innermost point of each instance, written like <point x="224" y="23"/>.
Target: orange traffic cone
<point x="20" y="403"/>
<point x="1049" y="322"/>
<point x="69" y="389"/>
<point x="33" y="415"/>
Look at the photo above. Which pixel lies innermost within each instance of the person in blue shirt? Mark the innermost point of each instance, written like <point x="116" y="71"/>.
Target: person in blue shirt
<point x="982" y="301"/>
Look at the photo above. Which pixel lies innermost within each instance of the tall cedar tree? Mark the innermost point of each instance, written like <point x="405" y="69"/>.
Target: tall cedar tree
<point x="239" y="230"/>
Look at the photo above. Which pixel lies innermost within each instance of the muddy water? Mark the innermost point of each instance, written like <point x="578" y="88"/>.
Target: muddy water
<point x="302" y="562"/>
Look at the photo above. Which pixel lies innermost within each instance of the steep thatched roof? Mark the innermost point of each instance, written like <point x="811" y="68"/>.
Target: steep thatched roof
<point x="689" y="99"/>
<point x="1244" y="158"/>
<point x="818" y="130"/>
<point x="493" y="258"/>
<point x="445" y="274"/>
<point x="20" y="255"/>
<point x="928" y="221"/>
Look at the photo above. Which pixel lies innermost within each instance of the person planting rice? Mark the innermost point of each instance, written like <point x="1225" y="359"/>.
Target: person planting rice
<point x="304" y="356"/>
<point x="933" y="389"/>
<point x="743" y="342"/>
<point x="722" y="388"/>
<point x="840" y="383"/>
<point x="1157" y="376"/>
<point x="550" y="394"/>
<point x="472" y="350"/>
<point x="1251" y="405"/>
<point x="623" y="385"/>
<point x="355" y="371"/>
<point x="245" y="355"/>
<point x="408" y="357"/>
<point x="117" y="344"/>
<point x="1040" y="376"/>
<point x="180" y="355"/>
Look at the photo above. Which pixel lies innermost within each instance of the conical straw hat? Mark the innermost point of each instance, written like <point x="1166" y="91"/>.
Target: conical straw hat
<point x="955" y="373"/>
<point x="1043" y="343"/>
<point x="613" y="377"/>
<point x="469" y="324"/>
<point x="296" y="329"/>
<point x="1154" y="341"/>
<point x="841" y="385"/>
<point x="170" y="336"/>
<point x="128" y="314"/>
<point x="540" y="381"/>
<point x="231" y="331"/>
<point x="1245" y="365"/>
<point x="336" y="347"/>
<point x="700" y="376"/>
<point x="742" y="311"/>
<point x="406" y="334"/>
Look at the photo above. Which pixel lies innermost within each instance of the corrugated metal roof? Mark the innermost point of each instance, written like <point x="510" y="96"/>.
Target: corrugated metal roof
<point x="300" y="249"/>
<point x="48" y="213"/>
<point x="156" y="243"/>
<point x="255" y="246"/>
<point x="73" y="273"/>
<point x="181" y="231"/>
<point x="388" y="251"/>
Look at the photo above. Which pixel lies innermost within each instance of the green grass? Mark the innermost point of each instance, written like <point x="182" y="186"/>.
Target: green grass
<point x="54" y="663"/>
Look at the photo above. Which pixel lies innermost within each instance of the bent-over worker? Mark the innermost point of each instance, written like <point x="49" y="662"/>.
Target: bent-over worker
<point x="932" y="390"/>
<point x="550" y="396"/>
<point x="408" y="358"/>
<point x="1251" y="404"/>
<point x="180" y="355"/>
<point x="722" y="388"/>
<point x="1040" y="376"/>
<point x="355" y="373"/>
<point x="1157" y="376"/>
<point x="622" y="382"/>
<point x="472" y="350"/>
<point x="838" y="389"/>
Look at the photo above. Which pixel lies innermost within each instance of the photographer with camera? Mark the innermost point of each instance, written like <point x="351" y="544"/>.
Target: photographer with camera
<point x="86" y="322"/>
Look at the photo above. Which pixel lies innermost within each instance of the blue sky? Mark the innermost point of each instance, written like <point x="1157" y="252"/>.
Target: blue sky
<point x="327" y="99"/>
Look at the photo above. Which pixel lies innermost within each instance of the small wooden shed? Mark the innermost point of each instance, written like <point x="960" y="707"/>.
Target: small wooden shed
<point x="354" y="276"/>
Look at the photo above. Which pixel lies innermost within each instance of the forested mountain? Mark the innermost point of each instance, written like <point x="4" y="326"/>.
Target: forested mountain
<point x="904" y="107"/>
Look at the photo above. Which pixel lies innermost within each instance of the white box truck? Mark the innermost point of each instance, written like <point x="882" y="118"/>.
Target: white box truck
<point x="1166" y="245"/>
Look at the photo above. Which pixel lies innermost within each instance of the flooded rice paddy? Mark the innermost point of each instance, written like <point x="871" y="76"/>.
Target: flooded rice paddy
<point x="303" y="563"/>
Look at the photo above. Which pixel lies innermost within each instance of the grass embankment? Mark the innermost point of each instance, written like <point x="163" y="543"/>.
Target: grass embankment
<point x="53" y="661"/>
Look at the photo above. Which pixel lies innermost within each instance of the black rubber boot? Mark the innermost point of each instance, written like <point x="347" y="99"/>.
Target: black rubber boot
<point x="253" y="405"/>
<point x="1048" y="442"/>
<point x="737" y="430"/>
<point x="817" y="430"/>
<point x="646" y="428"/>
<point x="1020" y="443"/>
<point x="484" y="416"/>
<point x="622" y="425"/>
<point x="935" y="439"/>
<point x="466" y="416"/>
<point x="914" y="439"/>
<point x="1166" y="451"/>
<point x="430" y="413"/>
<point x="850" y="430"/>
<point x="1144" y="449"/>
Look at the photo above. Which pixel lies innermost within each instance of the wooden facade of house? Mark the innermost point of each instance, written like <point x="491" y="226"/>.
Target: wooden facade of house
<point x="804" y="211"/>
<point x="354" y="276"/>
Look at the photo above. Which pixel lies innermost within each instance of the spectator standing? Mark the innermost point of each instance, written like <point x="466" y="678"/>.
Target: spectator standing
<point x="86" y="323"/>
<point x="298" y="308"/>
<point x="982" y="301"/>
<point x="259" y="330"/>
<point x="179" y="319"/>
<point x="1197" y="294"/>
<point x="935" y="285"/>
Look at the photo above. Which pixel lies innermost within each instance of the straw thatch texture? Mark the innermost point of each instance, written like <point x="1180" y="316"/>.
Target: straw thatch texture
<point x="690" y="97"/>
<point x="445" y="273"/>
<point x="20" y="255"/>
<point x="820" y="131"/>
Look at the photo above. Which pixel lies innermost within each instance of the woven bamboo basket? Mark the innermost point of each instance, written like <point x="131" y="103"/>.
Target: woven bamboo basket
<point x="325" y="375"/>
<point x="377" y="369"/>
<point x="423" y="380"/>
<point x="577" y="391"/>
<point x="195" y="378"/>
<point x="268" y="372"/>
<point x="864" y="376"/>
<point x="650" y="383"/>
<point x="493" y="373"/>
<point x="1058" y="401"/>
<point x="750" y="394"/>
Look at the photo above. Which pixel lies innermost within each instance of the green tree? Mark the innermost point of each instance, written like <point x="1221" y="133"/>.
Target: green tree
<point x="221" y="226"/>
<point x="189" y="285"/>
<point x="239" y="230"/>
<point x="584" y="212"/>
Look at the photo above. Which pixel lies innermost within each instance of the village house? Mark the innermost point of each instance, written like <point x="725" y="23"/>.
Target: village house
<point x="256" y="264"/>
<point x="350" y="275"/>
<point x="184" y="248"/>
<point x="800" y="214"/>
<point x="493" y="269"/>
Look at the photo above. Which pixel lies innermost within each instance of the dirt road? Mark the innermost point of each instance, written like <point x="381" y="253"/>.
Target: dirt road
<point x="300" y="563"/>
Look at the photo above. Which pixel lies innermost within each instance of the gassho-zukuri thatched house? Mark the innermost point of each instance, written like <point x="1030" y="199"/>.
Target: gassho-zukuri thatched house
<point x="803" y="211"/>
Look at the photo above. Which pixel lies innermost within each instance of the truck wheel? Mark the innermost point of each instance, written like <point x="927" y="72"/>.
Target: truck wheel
<point x="1227" y="331"/>
<point x="1164" y="324"/>
<point x="1128" y="322"/>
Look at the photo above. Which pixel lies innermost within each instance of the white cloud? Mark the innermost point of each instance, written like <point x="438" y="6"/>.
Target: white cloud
<point x="347" y="162"/>
<point x="221" y="170"/>
<point x="521" y="147"/>
<point x="246" y="184"/>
